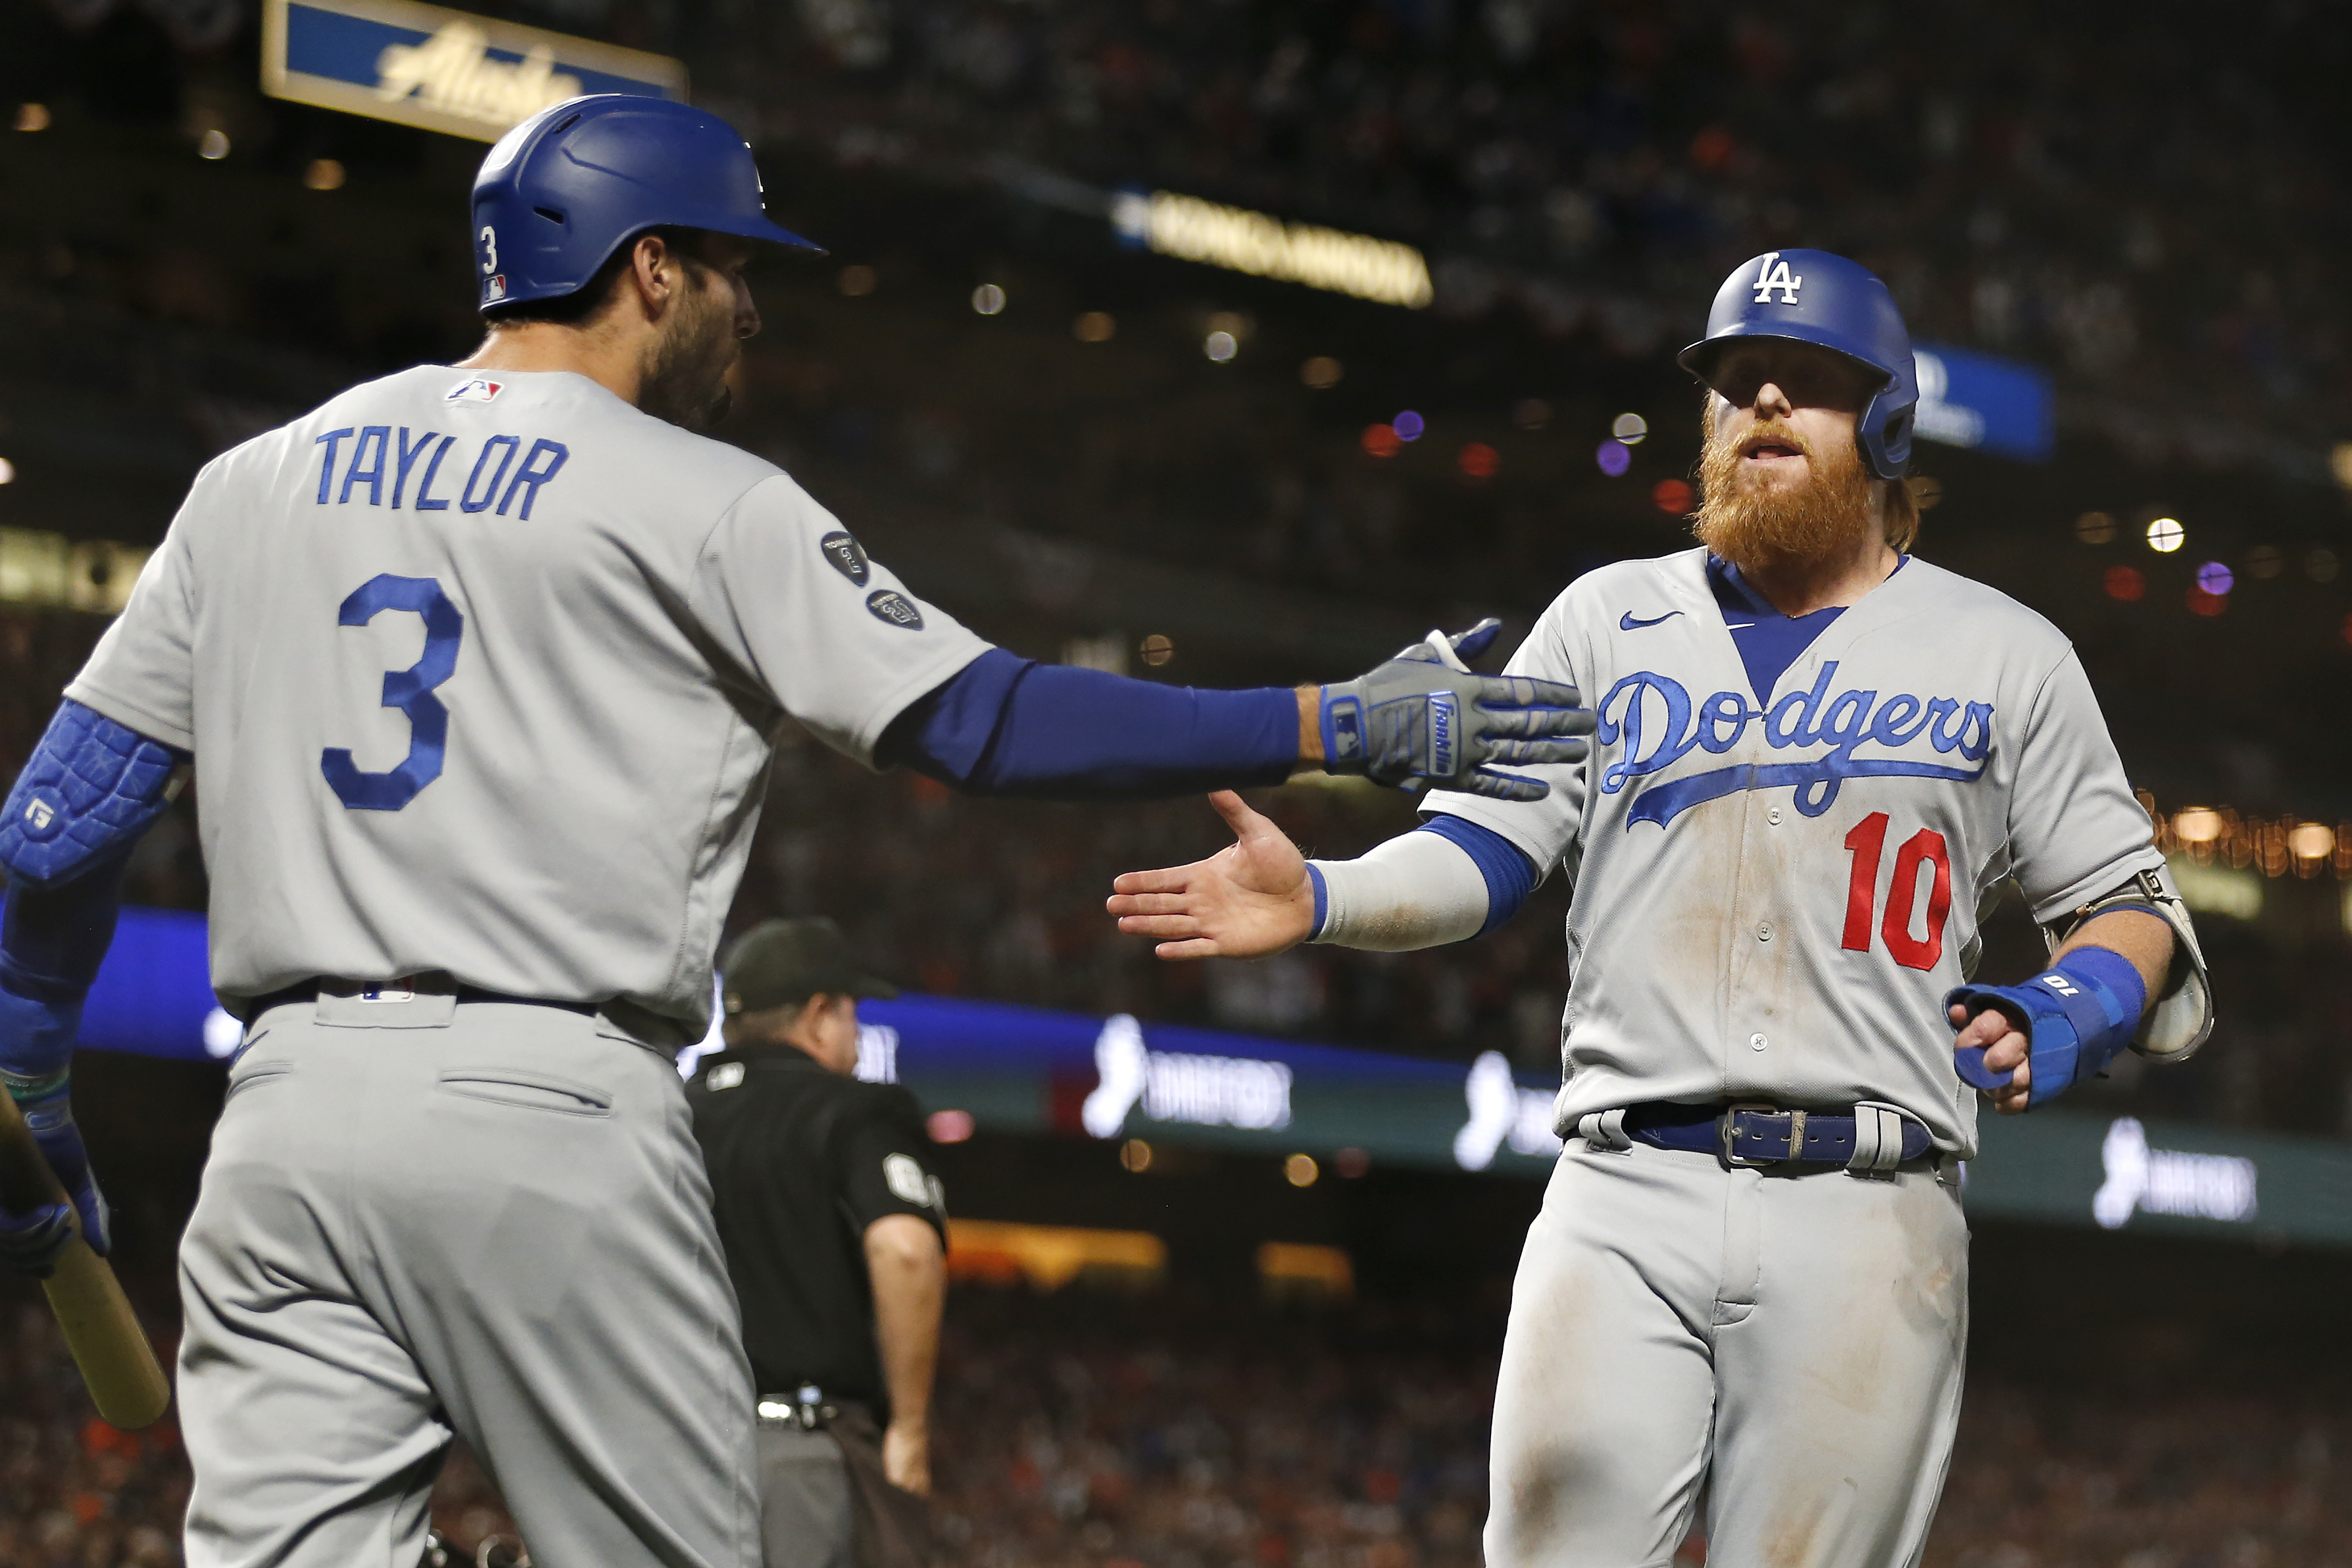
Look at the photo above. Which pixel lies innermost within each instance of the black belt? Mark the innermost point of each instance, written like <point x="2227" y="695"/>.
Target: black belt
<point x="1759" y="1134"/>
<point x="308" y="991"/>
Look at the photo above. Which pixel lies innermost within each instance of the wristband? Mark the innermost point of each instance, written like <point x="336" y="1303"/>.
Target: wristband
<point x="2075" y="1015"/>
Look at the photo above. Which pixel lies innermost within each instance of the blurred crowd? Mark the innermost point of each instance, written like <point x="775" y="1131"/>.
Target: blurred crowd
<point x="1175" y="1431"/>
<point x="2154" y="209"/>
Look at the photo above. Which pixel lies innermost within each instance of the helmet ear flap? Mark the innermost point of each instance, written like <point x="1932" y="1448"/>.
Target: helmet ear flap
<point x="1885" y="437"/>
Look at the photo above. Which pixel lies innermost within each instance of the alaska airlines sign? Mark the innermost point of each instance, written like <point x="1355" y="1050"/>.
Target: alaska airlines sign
<point x="1653" y="723"/>
<point x="441" y="70"/>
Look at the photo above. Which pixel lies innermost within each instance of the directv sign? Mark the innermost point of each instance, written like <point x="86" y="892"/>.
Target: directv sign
<point x="441" y="70"/>
<point x="1975" y="400"/>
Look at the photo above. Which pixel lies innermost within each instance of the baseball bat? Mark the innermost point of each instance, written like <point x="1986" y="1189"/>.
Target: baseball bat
<point x="117" y="1363"/>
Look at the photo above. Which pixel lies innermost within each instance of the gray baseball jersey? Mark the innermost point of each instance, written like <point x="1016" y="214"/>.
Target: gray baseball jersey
<point x="1772" y="896"/>
<point x="480" y="670"/>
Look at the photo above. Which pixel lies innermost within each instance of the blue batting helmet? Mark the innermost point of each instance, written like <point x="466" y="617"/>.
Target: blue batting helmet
<point x="566" y="188"/>
<point x="1813" y="297"/>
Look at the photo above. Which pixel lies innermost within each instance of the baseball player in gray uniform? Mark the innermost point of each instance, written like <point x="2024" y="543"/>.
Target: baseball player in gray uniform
<point x="1818" y="759"/>
<point x="478" y="668"/>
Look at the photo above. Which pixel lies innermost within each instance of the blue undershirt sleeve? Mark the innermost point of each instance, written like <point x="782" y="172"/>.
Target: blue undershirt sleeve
<point x="1510" y="874"/>
<point x="1012" y="726"/>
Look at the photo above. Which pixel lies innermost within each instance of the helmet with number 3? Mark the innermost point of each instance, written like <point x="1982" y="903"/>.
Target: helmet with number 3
<point x="1814" y="297"/>
<point x="563" y="191"/>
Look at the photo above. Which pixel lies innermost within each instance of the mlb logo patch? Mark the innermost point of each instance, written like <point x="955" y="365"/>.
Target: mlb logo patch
<point x="495" y="289"/>
<point x="478" y="390"/>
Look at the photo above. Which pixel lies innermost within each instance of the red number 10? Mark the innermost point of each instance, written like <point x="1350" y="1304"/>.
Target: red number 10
<point x="1925" y="847"/>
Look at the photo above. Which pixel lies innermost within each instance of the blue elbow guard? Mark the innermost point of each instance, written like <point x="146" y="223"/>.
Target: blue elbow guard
<point x="2076" y="1014"/>
<point x="91" y="788"/>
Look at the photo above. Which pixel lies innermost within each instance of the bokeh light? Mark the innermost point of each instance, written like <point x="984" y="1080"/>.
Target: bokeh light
<point x="7" y="471"/>
<point x="1300" y="1171"/>
<point x="2096" y="527"/>
<point x="2265" y="561"/>
<point x="32" y="117"/>
<point x="2125" y="583"/>
<point x="1478" y="460"/>
<point x="857" y="281"/>
<point x="2198" y="825"/>
<point x="323" y="174"/>
<point x="2165" y="535"/>
<point x="1094" y="327"/>
<point x="2321" y="565"/>
<point x="2215" y="578"/>
<point x="1220" y="345"/>
<point x="1156" y="649"/>
<point x="1671" y="496"/>
<point x="2201" y="603"/>
<point x="1135" y="1154"/>
<point x="1381" y="440"/>
<point x="212" y="145"/>
<point x="1614" y="457"/>
<point x="1321" y="372"/>
<point x="1409" y="425"/>
<point x="988" y="300"/>
<point x="1531" y="413"/>
<point x="949" y="1126"/>
<point x="1629" y="428"/>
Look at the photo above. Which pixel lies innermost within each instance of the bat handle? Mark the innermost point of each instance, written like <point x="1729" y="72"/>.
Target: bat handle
<point x="117" y="1363"/>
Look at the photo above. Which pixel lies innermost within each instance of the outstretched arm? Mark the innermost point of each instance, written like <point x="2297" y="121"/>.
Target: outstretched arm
<point x="1443" y="882"/>
<point x="1010" y="726"/>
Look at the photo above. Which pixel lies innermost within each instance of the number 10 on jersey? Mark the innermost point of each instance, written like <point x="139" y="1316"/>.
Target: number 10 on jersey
<point x="1922" y="852"/>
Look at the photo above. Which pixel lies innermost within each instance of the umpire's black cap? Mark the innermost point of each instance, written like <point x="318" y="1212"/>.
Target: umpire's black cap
<point x="777" y="964"/>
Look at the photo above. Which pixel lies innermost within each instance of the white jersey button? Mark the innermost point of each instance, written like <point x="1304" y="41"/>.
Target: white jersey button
<point x="1756" y="1042"/>
<point x="1773" y="816"/>
<point x="1764" y="933"/>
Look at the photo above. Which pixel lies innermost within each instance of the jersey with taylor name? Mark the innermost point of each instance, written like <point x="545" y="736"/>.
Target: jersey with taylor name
<point x="1773" y="891"/>
<point x="480" y="672"/>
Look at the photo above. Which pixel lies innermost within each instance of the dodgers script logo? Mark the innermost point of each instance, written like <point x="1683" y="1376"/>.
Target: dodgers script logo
<point x="1652" y="716"/>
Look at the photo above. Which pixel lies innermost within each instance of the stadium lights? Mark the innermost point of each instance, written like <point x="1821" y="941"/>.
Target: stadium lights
<point x="7" y="471"/>
<point x="1408" y="426"/>
<point x="1630" y="428"/>
<point x="2094" y="527"/>
<point x="212" y="145"/>
<point x="2165" y="535"/>
<point x="324" y="175"/>
<point x="1191" y="229"/>
<point x="1321" y="373"/>
<point x="32" y="117"/>
<point x="1094" y="327"/>
<point x="988" y="300"/>
<point x="1220" y="345"/>
<point x="1614" y="456"/>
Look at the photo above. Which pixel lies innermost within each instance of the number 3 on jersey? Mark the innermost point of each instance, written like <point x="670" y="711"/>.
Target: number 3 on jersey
<point x="410" y="691"/>
<point x="1922" y="850"/>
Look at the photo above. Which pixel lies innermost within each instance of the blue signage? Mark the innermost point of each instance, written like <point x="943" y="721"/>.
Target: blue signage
<point x="1993" y="405"/>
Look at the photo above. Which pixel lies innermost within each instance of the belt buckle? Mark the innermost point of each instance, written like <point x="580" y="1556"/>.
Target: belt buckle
<point x="1728" y="1122"/>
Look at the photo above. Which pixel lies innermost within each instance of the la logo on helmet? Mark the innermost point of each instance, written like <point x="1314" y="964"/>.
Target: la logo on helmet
<point x="1774" y="274"/>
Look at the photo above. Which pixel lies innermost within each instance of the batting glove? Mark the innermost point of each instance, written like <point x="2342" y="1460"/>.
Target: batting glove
<point x="36" y="1048"/>
<point x="1423" y="717"/>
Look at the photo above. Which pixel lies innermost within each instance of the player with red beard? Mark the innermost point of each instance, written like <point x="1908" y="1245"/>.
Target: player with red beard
<point x="1817" y="760"/>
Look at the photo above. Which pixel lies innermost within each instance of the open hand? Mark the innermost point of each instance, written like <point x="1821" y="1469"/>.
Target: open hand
<point x="1249" y="899"/>
<point x="2005" y="1047"/>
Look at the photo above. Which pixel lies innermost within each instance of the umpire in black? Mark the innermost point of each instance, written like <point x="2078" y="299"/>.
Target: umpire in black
<point x="835" y="1235"/>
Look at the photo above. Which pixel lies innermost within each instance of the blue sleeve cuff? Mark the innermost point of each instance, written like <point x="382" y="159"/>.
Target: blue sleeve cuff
<point x="1011" y="726"/>
<point x="2077" y="1015"/>
<point x="1510" y="874"/>
<point x="1322" y="899"/>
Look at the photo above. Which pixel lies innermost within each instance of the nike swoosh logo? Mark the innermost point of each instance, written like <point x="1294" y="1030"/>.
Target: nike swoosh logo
<point x="1626" y="623"/>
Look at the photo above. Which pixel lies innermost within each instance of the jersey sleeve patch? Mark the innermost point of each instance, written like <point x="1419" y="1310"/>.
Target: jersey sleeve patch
<point x="91" y="789"/>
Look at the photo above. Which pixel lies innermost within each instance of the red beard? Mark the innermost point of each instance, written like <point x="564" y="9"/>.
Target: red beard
<point x="1811" y="522"/>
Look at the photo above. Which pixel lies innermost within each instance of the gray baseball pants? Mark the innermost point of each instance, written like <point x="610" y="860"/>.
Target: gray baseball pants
<point x="421" y="1217"/>
<point x="1792" y="1341"/>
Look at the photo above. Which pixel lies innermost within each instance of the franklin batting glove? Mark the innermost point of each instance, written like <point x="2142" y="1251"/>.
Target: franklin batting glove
<point x="1423" y="717"/>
